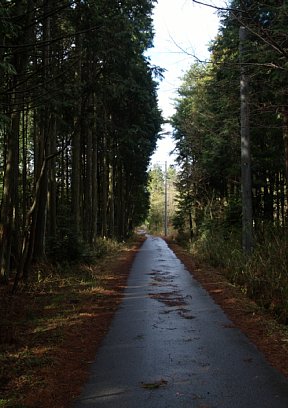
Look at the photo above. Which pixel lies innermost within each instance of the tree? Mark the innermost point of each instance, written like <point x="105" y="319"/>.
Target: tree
<point x="207" y="123"/>
<point x="15" y="69"/>
<point x="156" y="190"/>
<point x="246" y="183"/>
<point x="79" y="126"/>
<point x="162" y="191"/>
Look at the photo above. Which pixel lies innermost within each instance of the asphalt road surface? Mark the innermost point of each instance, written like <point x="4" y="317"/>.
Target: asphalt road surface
<point x="171" y="346"/>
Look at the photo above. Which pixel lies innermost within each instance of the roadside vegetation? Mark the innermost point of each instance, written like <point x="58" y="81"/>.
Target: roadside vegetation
<point x="257" y="323"/>
<point x="262" y="276"/>
<point x="48" y="327"/>
<point x="208" y="127"/>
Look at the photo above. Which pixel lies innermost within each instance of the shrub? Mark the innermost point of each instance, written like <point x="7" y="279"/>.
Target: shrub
<point x="263" y="276"/>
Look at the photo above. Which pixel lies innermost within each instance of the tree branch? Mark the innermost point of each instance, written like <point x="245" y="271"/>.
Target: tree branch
<point x="201" y="3"/>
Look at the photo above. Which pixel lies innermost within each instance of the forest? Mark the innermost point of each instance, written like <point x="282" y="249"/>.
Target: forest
<point x="79" y="121"/>
<point x="231" y="128"/>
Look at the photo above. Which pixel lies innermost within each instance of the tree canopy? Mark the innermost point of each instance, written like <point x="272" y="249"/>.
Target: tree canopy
<point x="79" y="121"/>
<point x="207" y="120"/>
<point x="209" y="136"/>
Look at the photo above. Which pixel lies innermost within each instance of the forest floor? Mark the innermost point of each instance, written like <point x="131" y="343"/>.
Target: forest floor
<point x="49" y="336"/>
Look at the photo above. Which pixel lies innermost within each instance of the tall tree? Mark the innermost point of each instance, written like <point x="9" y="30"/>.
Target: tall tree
<point x="79" y="98"/>
<point x="207" y="119"/>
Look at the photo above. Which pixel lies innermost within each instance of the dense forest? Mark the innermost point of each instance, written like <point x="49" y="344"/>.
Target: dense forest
<point x="235" y="103"/>
<point x="78" y="124"/>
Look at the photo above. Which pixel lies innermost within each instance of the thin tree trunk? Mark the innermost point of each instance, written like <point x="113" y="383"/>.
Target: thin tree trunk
<point x="52" y="183"/>
<point x="76" y="175"/>
<point x="285" y="141"/>
<point x="28" y="245"/>
<point x="111" y="202"/>
<point x="44" y="134"/>
<point x="88" y="187"/>
<point x="8" y="208"/>
<point x="94" y="223"/>
<point x="104" y="186"/>
<point x="247" y="215"/>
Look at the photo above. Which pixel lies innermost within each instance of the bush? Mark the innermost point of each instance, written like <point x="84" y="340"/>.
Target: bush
<point x="218" y="245"/>
<point x="263" y="276"/>
<point x="69" y="248"/>
<point x="105" y="246"/>
<point x="266" y="273"/>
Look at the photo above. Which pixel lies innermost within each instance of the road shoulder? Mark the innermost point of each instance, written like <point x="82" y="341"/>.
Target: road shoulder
<point x="259" y="326"/>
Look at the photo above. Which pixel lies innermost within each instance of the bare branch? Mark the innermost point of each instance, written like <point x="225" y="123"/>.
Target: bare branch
<point x="197" y="59"/>
<point x="261" y="34"/>
<point x="201" y="3"/>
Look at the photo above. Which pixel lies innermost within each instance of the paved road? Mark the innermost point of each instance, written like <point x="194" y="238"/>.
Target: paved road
<point x="171" y="346"/>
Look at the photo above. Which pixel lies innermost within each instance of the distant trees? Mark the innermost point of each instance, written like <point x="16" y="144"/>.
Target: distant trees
<point x="162" y="192"/>
<point x="207" y="122"/>
<point x="156" y="188"/>
<point x="78" y="124"/>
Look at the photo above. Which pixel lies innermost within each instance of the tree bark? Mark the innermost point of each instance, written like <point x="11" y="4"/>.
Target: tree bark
<point x="52" y="186"/>
<point x="285" y="141"/>
<point x="28" y="245"/>
<point x="246" y="184"/>
<point x="94" y="222"/>
<point x="105" y="180"/>
<point x="9" y="207"/>
<point x="9" y="204"/>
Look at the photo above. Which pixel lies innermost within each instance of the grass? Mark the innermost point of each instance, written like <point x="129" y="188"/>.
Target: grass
<point x="262" y="276"/>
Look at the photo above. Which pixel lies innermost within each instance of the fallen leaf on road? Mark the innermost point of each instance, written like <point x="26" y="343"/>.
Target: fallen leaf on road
<point x="154" y="385"/>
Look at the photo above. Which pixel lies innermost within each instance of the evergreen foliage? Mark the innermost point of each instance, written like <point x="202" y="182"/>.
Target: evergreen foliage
<point x="207" y="135"/>
<point x="207" y="120"/>
<point x="79" y="122"/>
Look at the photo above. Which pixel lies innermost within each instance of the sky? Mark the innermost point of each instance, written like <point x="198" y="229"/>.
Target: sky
<point x="182" y="29"/>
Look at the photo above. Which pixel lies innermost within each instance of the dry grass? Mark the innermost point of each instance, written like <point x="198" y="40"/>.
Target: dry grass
<point x="42" y="319"/>
<point x="263" y="276"/>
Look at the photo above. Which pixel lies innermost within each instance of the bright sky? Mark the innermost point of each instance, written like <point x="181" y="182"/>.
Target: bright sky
<point x="179" y="25"/>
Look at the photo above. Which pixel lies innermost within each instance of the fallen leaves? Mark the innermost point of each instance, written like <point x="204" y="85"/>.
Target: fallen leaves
<point x="154" y="385"/>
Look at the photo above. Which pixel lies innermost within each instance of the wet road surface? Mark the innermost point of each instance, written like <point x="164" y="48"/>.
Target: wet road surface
<point x="171" y="346"/>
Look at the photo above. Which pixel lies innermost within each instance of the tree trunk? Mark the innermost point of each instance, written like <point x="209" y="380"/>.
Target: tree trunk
<point x="94" y="222"/>
<point x="246" y="185"/>
<point x="30" y="232"/>
<point x="111" y="201"/>
<point x="76" y="150"/>
<point x="285" y="141"/>
<point x="104" y="185"/>
<point x="76" y="175"/>
<point x="8" y="207"/>
<point x="44" y="136"/>
<point x="88" y="187"/>
<point x="52" y="148"/>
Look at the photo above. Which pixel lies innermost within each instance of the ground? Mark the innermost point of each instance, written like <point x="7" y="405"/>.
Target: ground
<point x="58" y="355"/>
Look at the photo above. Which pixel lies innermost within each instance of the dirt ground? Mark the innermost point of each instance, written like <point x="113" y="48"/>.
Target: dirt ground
<point x="60" y="381"/>
<point x="78" y="351"/>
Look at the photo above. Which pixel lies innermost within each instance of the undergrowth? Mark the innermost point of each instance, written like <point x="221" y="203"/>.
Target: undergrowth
<point x="263" y="276"/>
<point x="33" y="321"/>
